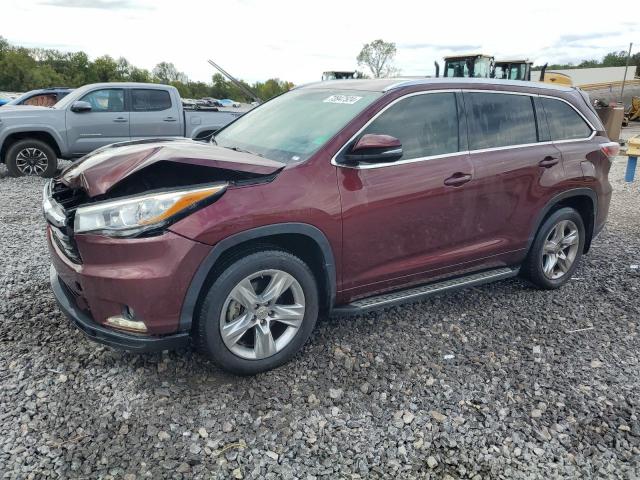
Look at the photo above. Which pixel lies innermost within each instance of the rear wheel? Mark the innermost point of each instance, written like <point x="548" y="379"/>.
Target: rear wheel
<point x="258" y="313"/>
<point x="556" y="250"/>
<point x="31" y="157"/>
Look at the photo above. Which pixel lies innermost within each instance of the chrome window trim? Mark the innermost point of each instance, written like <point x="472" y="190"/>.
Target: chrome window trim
<point x="589" y="124"/>
<point x="398" y="162"/>
<point x="464" y="152"/>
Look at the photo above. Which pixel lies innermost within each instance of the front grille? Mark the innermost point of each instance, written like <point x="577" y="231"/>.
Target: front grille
<point x="69" y="199"/>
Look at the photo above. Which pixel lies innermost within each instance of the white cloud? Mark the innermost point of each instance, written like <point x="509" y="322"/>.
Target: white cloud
<point x="297" y="41"/>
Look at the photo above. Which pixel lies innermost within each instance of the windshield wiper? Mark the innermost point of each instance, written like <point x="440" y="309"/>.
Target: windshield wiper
<point x="238" y="149"/>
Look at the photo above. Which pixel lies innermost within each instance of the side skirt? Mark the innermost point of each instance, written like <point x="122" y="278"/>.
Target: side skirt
<point x="414" y="294"/>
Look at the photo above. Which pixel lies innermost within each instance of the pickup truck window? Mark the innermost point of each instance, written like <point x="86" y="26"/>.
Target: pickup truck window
<point x="106" y="100"/>
<point x="148" y="100"/>
<point x="291" y="127"/>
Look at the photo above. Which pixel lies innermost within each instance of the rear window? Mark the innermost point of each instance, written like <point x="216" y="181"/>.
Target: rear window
<point x="150" y="100"/>
<point x="426" y="125"/>
<point x="564" y="122"/>
<point x="499" y="120"/>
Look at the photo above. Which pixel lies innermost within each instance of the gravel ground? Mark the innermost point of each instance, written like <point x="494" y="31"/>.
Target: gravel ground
<point x="501" y="381"/>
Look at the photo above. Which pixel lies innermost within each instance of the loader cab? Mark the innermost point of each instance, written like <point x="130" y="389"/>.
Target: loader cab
<point x="468" y="66"/>
<point x="336" y="75"/>
<point x="512" y="70"/>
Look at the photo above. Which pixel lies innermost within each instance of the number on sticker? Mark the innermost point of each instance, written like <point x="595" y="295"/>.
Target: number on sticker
<point x="345" y="99"/>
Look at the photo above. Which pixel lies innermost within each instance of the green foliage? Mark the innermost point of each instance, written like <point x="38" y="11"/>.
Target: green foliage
<point x="611" y="59"/>
<point x="378" y="57"/>
<point x="23" y="69"/>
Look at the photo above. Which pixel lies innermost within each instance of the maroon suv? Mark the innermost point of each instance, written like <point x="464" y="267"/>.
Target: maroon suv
<point x="336" y="197"/>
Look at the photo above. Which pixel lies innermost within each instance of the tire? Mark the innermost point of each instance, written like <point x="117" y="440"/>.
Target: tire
<point x="31" y="157"/>
<point x="242" y="353"/>
<point x="552" y="259"/>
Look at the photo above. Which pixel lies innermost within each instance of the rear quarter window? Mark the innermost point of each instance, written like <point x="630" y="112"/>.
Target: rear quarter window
<point x="564" y="122"/>
<point x="499" y="120"/>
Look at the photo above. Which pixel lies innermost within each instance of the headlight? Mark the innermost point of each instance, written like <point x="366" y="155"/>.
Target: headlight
<point x="135" y="215"/>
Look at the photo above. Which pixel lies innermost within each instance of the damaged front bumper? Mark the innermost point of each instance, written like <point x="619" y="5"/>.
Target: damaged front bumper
<point x="107" y="336"/>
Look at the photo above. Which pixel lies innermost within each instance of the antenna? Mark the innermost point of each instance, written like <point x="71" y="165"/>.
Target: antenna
<point x="247" y="91"/>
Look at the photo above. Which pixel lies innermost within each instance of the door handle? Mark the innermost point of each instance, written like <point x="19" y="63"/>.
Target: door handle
<point x="457" y="179"/>
<point x="548" y="161"/>
<point x="120" y="120"/>
<point x="168" y="119"/>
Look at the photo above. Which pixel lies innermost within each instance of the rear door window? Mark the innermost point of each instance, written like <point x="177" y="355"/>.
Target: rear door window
<point x="564" y="122"/>
<point x="150" y="100"/>
<point x="426" y="125"/>
<point x="499" y="120"/>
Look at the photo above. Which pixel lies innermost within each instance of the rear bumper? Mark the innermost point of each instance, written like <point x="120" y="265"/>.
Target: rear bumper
<point x="107" y="336"/>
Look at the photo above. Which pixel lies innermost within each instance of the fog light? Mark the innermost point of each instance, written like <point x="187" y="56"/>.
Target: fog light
<point x="127" y="321"/>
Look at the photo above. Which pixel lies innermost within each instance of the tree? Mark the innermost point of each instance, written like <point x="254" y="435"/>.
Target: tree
<point x="105" y="69"/>
<point x="378" y="57"/>
<point x="271" y="88"/>
<point x="165" y="72"/>
<point x="29" y="68"/>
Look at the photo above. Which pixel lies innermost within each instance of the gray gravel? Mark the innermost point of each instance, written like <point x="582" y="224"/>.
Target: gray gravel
<point x="501" y="381"/>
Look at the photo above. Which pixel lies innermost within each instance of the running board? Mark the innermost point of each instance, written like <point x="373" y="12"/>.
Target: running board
<point x="423" y="291"/>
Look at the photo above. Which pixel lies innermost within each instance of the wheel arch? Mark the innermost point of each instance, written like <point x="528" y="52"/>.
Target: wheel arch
<point x="42" y="135"/>
<point x="583" y="200"/>
<point x="301" y="239"/>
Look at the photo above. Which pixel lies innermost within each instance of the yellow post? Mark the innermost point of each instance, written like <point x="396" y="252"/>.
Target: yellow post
<point x="632" y="153"/>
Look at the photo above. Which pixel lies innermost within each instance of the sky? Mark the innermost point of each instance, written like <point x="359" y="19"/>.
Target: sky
<point x="298" y="40"/>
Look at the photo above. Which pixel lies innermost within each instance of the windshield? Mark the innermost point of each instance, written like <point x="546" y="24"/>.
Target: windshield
<point x="68" y="99"/>
<point x="292" y="127"/>
<point x="482" y="67"/>
<point x="456" y="68"/>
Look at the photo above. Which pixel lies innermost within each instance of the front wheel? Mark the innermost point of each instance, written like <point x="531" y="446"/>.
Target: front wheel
<point x="31" y="157"/>
<point x="556" y="250"/>
<point x="258" y="313"/>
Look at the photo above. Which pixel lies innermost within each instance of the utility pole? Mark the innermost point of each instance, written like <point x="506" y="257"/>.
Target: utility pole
<point x="625" y="73"/>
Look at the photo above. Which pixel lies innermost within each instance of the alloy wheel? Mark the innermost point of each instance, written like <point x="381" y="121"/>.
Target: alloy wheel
<point x="560" y="249"/>
<point x="32" y="161"/>
<point x="262" y="314"/>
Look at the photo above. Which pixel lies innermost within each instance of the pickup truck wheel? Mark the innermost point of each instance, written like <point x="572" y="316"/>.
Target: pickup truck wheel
<point x="556" y="250"/>
<point x="31" y="157"/>
<point x="258" y="312"/>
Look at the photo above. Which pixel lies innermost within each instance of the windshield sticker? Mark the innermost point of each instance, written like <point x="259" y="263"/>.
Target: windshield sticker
<point x="345" y="99"/>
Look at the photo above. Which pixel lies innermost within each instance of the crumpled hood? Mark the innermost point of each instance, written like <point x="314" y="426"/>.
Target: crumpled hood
<point x="100" y="170"/>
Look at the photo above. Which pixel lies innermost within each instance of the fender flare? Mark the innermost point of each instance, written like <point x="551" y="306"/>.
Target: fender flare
<point x="26" y="129"/>
<point x="197" y="282"/>
<point x="575" y="192"/>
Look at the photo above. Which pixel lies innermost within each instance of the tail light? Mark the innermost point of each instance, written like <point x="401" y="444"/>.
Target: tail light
<point x="610" y="149"/>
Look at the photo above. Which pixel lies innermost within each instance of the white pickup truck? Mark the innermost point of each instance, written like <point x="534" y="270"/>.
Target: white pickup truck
<point x="33" y="138"/>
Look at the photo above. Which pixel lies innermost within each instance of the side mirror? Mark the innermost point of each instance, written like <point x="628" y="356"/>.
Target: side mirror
<point x="372" y="148"/>
<point x="80" y="106"/>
